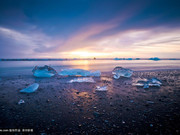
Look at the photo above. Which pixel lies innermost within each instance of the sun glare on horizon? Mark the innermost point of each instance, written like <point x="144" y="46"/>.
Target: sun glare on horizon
<point x="86" y="54"/>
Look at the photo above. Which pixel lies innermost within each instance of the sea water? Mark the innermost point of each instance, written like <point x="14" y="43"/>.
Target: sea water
<point x="11" y="68"/>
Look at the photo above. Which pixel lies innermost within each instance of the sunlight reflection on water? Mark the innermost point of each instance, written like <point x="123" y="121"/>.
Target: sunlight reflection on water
<point x="25" y="67"/>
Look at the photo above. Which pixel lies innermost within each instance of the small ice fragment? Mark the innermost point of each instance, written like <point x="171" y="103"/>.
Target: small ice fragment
<point x="119" y="71"/>
<point x="131" y="101"/>
<point x="149" y="102"/>
<point x="138" y="82"/>
<point x="106" y="121"/>
<point x="155" y="81"/>
<point x="146" y="83"/>
<point x="79" y="72"/>
<point x="30" y="88"/>
<point x="123" y="122"/>
<point x="21" y="101"/>
<point x="103" y="88"/>
<point x="146" y="86"/>
<point x="82" y="79"/>
<point x="45" y="71"/>
<point x="96" y="114"/>
<point x="154" y="85"/>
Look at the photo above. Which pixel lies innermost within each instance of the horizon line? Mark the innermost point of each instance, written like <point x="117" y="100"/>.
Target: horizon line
<point x="64" y="59"/>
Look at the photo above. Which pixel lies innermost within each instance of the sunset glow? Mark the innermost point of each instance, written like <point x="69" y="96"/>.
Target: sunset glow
<point x="132" y="30"/>
<point x="87" y="54"/>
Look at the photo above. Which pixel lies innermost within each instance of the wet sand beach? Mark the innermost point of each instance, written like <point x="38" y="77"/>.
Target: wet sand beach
<point x="58" y="107"/>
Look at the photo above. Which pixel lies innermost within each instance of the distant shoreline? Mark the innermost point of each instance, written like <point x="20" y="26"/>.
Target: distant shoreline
<point x="67" y="59"/>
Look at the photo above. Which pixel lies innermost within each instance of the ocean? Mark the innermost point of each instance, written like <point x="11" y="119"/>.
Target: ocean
<point x="11" y="68"/>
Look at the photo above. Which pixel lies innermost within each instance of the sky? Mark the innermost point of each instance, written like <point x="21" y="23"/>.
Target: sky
<point x="89" y="28"/>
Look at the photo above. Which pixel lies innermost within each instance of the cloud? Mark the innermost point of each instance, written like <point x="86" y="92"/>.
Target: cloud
<point x="157" y="41"/>
<point x="160" y="41"/>
<point x="24" y="44"/>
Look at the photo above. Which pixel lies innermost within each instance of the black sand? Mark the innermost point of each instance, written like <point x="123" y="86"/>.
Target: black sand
<point x="58" y="107"/>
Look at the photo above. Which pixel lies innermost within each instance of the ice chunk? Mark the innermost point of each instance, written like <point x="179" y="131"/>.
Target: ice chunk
<point x="149" y="102"/>
<point x="129" y="59"/>
<point x="79" y="72"/>
<point x="117" y="58"/>
<point x="82" y="79"/>
<point x="30" y="88"/>
<point x="43" y="74"/>
<point x="154" y="58"/>
<point x="21" y="101"/>
<point x="103" y="88"/>
<point x="45" y="71"/>
<point x="95" y="73"/>
<point x="119" y="71"/>
<point x="146" y="83"/>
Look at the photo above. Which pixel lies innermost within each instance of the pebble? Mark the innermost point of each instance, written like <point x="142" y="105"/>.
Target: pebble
<point x="96" y="114"/>
<point x="131" y="101"/>
<point x="77" y="92"/>
<point x="47" y="100"/>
